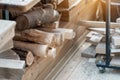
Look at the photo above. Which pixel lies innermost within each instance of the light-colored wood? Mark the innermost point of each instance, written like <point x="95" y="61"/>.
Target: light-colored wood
<point x="25" y="55"/>
<point x="6" y="31"/>
<point x="102" y="30"/>
<point x="58" y="39"/>
<point x="91" y="33"/>
<point x="115" y="61"/>
<point x="36" y="36"/>
<point x="67" y="33"/>
<point x="11" y="69"/>
<point x="52" y="52"/>
<point x="85" y="46"/>
<point x="7" y="46"/>
<point x="117" y="30"/>
<point x="116" y="41"/>
<point x="68" y="4"/>
<point x="37" y="49"/>
<point x="12" y="64"/>
<point x="9" y="54"/>
<point x="10" y="74"/>
<point x="88" y="50"/>
<point x="100" y="49"/>
<point x="19" y="5"/>
<point x="94" y="37"/>
<point x="97" y="24"/>
<point x="118" y="20"/>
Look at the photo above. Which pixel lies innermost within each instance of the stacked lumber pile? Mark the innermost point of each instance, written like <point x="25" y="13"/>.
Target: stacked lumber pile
<point x="38" y="31"/>
<point x="11" y="67"/>
<point x="38" y="36"/>
<point x="95" y="40"/>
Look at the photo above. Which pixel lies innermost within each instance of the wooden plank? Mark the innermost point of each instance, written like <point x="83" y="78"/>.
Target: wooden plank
<point x="6" y="31"/>
<point x="9" y="54"/>
<point x="19" y="5"/>
<point x="10" y="74"/>
<point x="115" y="61"/>
<point x="12" y="64"/>
<point x="97" y="24"/>
<point x="101" y="30"/>
<point x="100" y="49"/>
<point x="116" y="41"/>
<point x="11" y="69"/>
<point x="89" y="52"/>
<point x="91" y="33"/>
<point x="68" y="4"/>
<point x="7" y="46"/>
<point x="94" y="37"/>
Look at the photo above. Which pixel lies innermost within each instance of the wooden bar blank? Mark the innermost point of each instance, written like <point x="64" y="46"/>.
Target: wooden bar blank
<point x="37" y="49"/>
<point x="97" y="24"/>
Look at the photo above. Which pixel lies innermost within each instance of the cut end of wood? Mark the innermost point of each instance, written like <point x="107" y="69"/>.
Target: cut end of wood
<point x="52" y="52"/>
<point x="29" y="58"/>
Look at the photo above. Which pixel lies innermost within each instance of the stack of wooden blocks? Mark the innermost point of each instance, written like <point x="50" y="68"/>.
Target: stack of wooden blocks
<point x="10" y="63"/>
<point x="95" y="44"/>
<point x="33" y="37"/>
